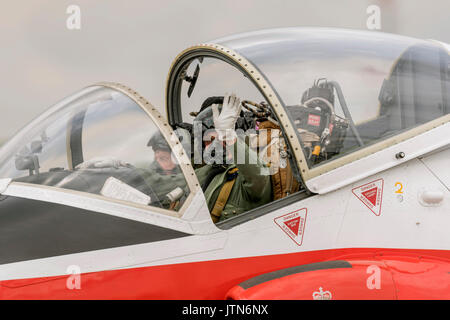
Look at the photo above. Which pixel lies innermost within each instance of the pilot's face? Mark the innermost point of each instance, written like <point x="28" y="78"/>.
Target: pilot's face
<point x="209" y="138"/>
<point x="164" y="160"/>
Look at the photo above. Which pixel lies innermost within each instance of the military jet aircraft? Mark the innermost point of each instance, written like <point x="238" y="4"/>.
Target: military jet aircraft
<point x="360" y="204"/>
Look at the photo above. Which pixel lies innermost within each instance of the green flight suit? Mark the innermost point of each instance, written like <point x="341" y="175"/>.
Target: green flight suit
<point x="251" y="189"/>
<point x="163" y="182"/>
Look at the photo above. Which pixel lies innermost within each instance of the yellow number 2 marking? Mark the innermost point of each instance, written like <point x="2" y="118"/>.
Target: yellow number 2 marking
<point x="400" y="187"/>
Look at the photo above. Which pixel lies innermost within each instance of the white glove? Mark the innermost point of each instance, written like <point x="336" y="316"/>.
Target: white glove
<point x="225" y="121"/>
<point x="102" y="162"/>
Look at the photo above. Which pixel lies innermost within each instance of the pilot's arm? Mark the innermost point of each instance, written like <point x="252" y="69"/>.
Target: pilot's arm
<point x="250" y="168"/>
<point x="255" y="174"/>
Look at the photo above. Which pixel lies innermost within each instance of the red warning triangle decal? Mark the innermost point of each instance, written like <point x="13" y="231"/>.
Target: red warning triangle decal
<point x="371" y="194"/>
<point x="293" y="224"/>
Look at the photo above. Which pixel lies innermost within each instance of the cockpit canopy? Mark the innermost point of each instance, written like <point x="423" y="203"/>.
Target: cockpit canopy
<point x="346" y="90"/>
<point x="103" y="142"/>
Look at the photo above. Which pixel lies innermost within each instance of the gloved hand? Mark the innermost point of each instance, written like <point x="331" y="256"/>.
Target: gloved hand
<point x="225" y="121"/>
<point x="102" y="162"/>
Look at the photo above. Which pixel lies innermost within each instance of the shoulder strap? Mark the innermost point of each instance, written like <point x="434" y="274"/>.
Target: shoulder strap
<point x="224" y="194"/>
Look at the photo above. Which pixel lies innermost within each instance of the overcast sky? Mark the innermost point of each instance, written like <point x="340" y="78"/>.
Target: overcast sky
<point x="134" y="42"/>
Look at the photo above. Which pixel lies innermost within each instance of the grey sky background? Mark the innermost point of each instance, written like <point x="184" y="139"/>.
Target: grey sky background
<point x="134" y="42"/>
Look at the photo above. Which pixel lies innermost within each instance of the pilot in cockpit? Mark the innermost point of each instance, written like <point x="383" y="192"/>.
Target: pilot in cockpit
<point x="232" y="177"/>
<point x="231" y="187"/>
<point x="163" y="174"/>
<point x="163" y="163"/>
